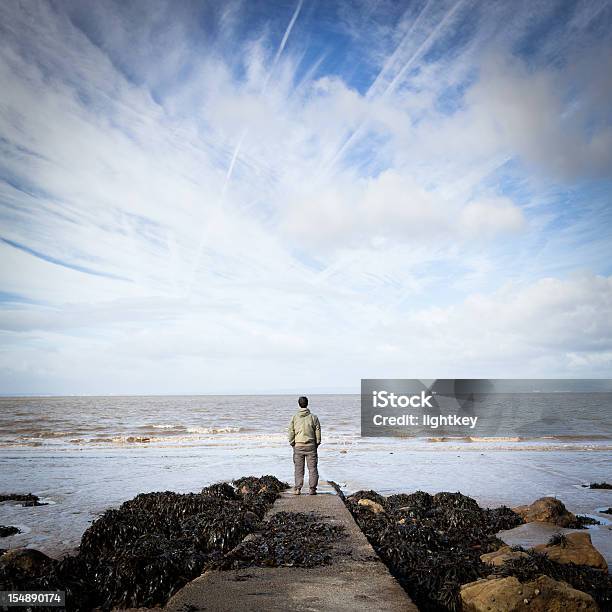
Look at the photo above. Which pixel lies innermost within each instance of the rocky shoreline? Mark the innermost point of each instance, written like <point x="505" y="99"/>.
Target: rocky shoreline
<point x="140" y="554"/>
<point x="441" y="548"/>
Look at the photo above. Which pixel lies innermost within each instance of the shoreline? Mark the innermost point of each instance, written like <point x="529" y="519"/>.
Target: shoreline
<point x="82" y="485"/>
<point x="601" y="534"/>
<point x="603" y="444"/>
<point x="142" y="515"/>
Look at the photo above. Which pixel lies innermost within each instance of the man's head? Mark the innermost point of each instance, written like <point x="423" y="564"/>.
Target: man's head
<point x="303" y="402"/>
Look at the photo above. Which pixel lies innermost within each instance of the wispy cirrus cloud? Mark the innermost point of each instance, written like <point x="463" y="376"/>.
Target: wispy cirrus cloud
<point x="214" y="187"/>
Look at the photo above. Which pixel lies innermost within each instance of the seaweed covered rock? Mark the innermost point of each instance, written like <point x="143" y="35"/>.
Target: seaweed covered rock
<point x="263" y="484"/>
<point x="26" y="561"/>
<point x="418" y="499"/>
<point x="574" y="548"/>
<point x="142" y="552"/>
<point x="221" y="489"/>
<point x="29" y="569"/>
<point x="71" y="574"/>
<point x="260" y="493"/>
<point x="371" y="495"/>
<point x="33" y="502"/>
<point x="502" y="519"/>
<point x="582" y="522"/>
<point x="508" y="594"/>
<point x="146" y="573"/>
<point x="22" y="497"/>
<point x="547" y="510"/>
<point x="599" y="485"/>
<point x="27" y="499"/>
<point x="294" y="539"/>
<point x="431" y="543"/>
<point x="411" y="507"/>
<point x="211" y="522"/>
<point x="455" y="500"/>
<point x="6" y="531"/>
<point x="434" y="544"/>
<point x="597" y="583"/>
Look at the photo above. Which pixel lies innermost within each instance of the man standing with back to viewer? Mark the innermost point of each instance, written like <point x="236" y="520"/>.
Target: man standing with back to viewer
<point x="305" y="437"/>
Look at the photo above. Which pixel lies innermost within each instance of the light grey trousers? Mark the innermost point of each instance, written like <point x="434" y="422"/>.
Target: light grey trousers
<point x="306" y="453"/>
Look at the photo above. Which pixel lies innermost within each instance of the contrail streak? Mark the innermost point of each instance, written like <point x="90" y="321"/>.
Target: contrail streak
<point x="391" y="60"/>
<point x="434" y="33"/>
<point x="283" y="42"/>
<point x="279" y="52"/>
<point x="230" y="169"/>
<point x="236" y="154"/>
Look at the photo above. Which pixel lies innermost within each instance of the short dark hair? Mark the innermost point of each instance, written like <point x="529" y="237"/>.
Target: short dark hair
<point x="303" y="401"/>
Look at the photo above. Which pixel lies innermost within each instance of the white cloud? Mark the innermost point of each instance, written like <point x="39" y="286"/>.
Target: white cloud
<point x="533" y="113"/>
<point x="546" y="329"/>
<point x="358" y="211"/>
<point x="284" y="230"/>
<point x="486" y="218"/>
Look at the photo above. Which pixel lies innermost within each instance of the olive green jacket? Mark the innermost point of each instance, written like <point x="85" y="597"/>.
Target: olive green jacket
<point x="304" y="428"/>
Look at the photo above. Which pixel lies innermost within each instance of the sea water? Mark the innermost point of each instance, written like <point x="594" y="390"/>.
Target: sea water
<point x="83" y="455"/>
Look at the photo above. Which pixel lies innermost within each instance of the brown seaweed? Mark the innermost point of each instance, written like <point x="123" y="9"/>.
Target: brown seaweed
<point x="597" y="583"/>
<point x="6" y="531"/>
<point x="27" y="498"/>
<point x="291" y="539"/>
<point x="598" y="485"/>
<point x="432" y="545"/>
<point x="582" y="522"/>
<point x="142" y="552"/>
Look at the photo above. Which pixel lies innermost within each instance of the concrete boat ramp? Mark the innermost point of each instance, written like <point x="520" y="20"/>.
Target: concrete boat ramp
<point x="356" y="580"/>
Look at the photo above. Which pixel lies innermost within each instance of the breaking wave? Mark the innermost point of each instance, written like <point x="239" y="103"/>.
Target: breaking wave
<point x="213" y="430"/>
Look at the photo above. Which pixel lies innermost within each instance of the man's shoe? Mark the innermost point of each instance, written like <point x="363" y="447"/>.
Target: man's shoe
<point x="296" y="491"/>
<point x="313" y="492"/>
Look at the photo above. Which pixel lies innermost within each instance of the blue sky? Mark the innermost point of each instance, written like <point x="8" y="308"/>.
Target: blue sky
<point x="270" y="196"/>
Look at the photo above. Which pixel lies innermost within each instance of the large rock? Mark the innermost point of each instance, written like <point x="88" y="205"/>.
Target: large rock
<point x="574" y="548"/>
<point x="26" y="560"/>
<point x="499" y="557"/>
<point x="509" y="595"/>
<point x="371" y="505"/>
<point x="547" y="510"/>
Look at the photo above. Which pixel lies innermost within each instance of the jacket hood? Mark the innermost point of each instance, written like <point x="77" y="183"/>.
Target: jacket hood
<point x="304" y="411"/>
